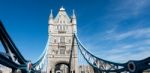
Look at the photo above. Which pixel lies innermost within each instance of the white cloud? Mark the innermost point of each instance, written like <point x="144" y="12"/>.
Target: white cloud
<point x="135" y="34"/>
<point x="122" y="52"/>
<point x="134" y="7"/>
<point x="124" y="55"/>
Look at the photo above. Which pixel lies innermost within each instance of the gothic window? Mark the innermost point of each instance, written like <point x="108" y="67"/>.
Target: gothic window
<point x="54" y="40"/>
<point x="64" y="28"/>
<point x="62" y="39"/>
<point x="82" y="71"/>
<point x="69" y="41"/>
<point x="63" y="21"/>
<point x="56" y="51"/>
<point x="53" y="52"/>
<point x="57" y="27"/>
<point x="60" y="27"/>
<point x="68" y="51"/>
<point x="62" y="50"/>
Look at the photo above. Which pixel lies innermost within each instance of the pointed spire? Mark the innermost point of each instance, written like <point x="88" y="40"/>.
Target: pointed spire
<point x="73" y="14"/>
<point x="73" y="18"/>
<point x="51" y="18"/>
<point x="62" y="8"/>
<point x="51" y="14"/>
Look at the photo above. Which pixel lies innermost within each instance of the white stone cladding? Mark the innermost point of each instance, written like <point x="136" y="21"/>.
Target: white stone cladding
<point x="61" y="30"/>
<point x="85" y="69"/>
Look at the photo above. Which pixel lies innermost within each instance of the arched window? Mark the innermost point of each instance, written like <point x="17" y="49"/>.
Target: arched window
<point x="82" y="71"/>
<point x="62" y="39"/>
<point x="53" y="52"/>
<point x="62" y="50"/>
<point x="64" y="22"/>
<point x="69" y="40"/>
<point x="60" y="22"/>
<point x="63" y="28"/>
<point x="54" y="40"/>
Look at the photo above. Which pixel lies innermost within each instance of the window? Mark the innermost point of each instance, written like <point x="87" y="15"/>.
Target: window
<point x="63" y="27"/>
<point x="62" y="50"/>
<point x="62" y="39"/>
<point x="53" y="52"/>
<point x="82" y="72"/>
<point x="54" y="40"/>
<point x="60" y="22"/>
<point x="69" y="40"/>
<point x="57" y="27"/>
<point x="68" y="51"/>
<point x="63" y="21"/>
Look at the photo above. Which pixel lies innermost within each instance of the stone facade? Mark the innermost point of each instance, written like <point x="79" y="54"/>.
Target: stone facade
<point x="61" y="30"/>
<point x="85" y="69"/>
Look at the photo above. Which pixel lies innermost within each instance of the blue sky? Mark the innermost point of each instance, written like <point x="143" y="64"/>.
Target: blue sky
<point x="115" y="30"/>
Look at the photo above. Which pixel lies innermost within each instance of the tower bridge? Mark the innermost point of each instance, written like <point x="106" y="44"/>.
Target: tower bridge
<point x="61" y="31"/>
<point x="61" y="52"/>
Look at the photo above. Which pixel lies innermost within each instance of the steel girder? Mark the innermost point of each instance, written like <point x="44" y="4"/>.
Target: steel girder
<point x="12" y="58"/>
<point x="10" y="46"/>
<point x="103" y="66"/>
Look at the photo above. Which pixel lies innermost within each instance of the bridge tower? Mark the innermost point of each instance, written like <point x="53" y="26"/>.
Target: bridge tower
<point x="61" y="29"/>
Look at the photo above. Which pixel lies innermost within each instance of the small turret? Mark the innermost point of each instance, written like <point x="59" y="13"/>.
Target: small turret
<point x="73" y="20"/>
<point x="62" y="8"/>
<point x="51" y="18"/>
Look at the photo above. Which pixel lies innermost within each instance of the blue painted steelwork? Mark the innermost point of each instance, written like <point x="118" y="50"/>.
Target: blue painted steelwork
<point x="9" y="45"/>
<point x="12" y="58"/>
<point x="99" y="65"/>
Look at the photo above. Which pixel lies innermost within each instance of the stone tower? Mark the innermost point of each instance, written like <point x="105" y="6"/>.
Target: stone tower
<point x="61" y="30"/>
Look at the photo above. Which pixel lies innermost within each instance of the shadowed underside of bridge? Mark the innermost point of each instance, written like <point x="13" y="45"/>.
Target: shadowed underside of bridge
<point x="13" y="59"/>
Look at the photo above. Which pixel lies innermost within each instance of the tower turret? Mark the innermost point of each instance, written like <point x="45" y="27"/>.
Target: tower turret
<point x="61" y="31"/>
<point x="51" y="20"/>
<point x="73" y="18"/>
<point x="74" y="21"/>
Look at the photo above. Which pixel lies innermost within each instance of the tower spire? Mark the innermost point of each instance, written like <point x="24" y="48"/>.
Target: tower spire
<point x="73" y="14"/>
<point x="73" y="17"/>
<point x="51" y="14"/>
<point x="51" y="17"/>
<point x="62" y="8"/>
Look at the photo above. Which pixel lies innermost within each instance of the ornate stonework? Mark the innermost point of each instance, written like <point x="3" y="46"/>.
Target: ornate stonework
<point x="85" y="69"/>
<point x="61" y="31"/>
